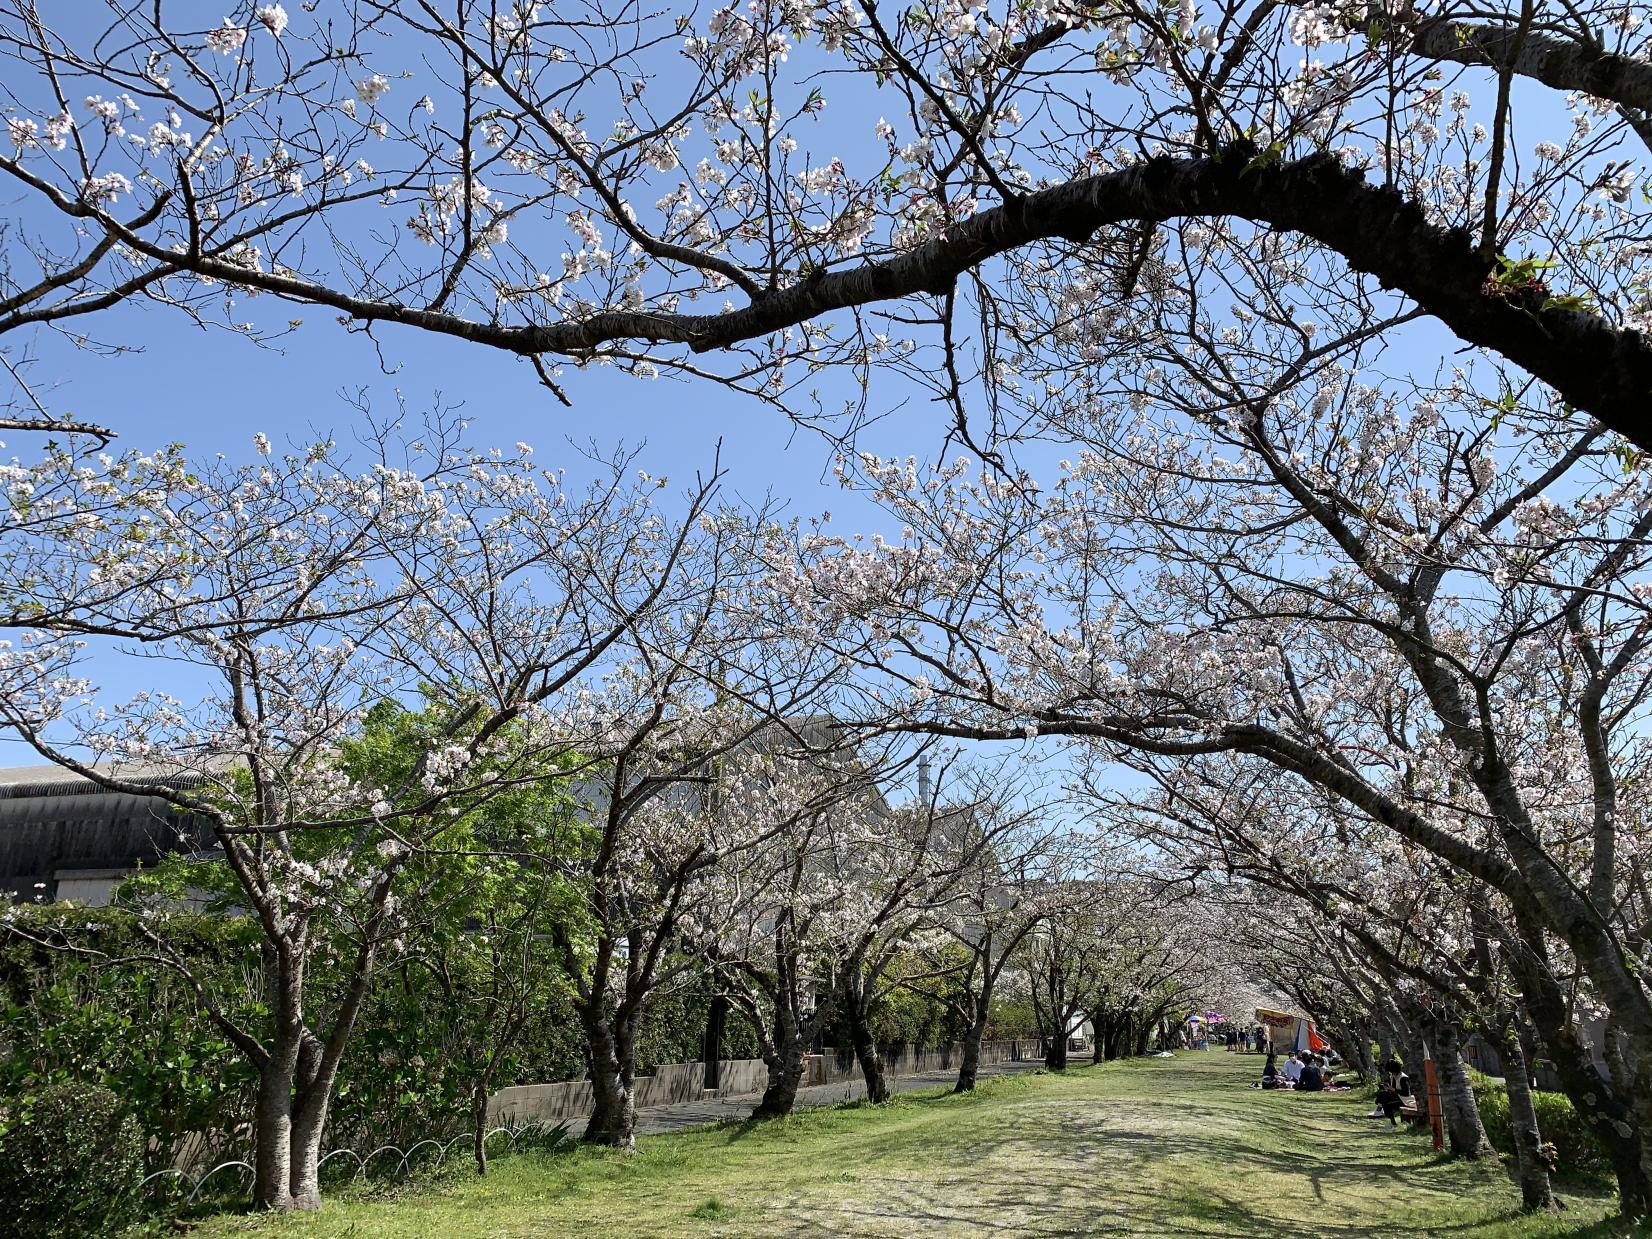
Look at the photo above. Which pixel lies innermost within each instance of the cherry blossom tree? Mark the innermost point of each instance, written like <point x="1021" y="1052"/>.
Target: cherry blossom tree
<point x="672" y="193"/>
<point x="1152" y="963"/>
<point x="974" y="933"/>
<point x="1335" y="915"/>
<point x="794" y="927"/>
<point x="286" y="601"/>
<point x="692" y="790"/>
<point x="1410" y="950"/>
<point x="1433" y="617"/>
<point x="934" y="883"/>
<point x="1118" y="947"/>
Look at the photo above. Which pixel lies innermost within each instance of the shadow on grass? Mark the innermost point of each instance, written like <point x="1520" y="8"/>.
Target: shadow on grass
<point x="1032" y="1203"/>
<point x="991" y="1088"/>
<point x="1399" y="1189"/>
<point x="1186" y="1150"/>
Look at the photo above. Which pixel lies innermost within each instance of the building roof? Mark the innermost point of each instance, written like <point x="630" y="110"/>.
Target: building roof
<point x="50" y="779"/>
<point x="54" y="820"/>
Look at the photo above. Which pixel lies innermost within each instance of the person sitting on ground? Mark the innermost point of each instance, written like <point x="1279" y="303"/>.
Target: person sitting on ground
<point x="1270" y="1074"/>
<point x="1389" y="1100"/>
<point x="1292" y="1070"/>
<point x="1312" y="1079"/>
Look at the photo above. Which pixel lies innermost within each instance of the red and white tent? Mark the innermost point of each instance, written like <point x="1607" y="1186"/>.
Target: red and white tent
<point x="1291" y="1032"/>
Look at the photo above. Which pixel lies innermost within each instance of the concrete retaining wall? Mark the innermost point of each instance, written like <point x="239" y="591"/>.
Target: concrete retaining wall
<point x="836" y="1065"/>
<point x="679" y="1082"/>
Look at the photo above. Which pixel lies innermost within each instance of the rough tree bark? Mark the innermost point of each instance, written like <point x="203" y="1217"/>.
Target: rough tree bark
<point x="785" y="1078"/>
<point x="969" y="1061"/>
<point x="1465" y="1133"/>
<point x="613" y="1050"/>
<point x="1534" y="1160"/>
<point x="857" y="1007"/>
<point x="289" y="1119"/>
<point x="296" y="1076"/>
<point x="871" y="1062"/>
<point x="1600" y="1103"/>
<point x="784" y="1049"/>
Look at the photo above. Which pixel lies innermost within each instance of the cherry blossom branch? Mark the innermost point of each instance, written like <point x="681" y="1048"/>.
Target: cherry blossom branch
<point x="1591" y="363"/>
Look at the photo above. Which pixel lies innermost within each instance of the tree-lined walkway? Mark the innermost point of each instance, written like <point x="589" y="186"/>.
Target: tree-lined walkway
<point x="1145" y="1147"/>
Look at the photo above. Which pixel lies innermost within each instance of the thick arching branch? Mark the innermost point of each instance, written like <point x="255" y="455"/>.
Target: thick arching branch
<point x="1554" y="60"/>
<point x="1565" y="64"/>
<point x="1593" y="365"/>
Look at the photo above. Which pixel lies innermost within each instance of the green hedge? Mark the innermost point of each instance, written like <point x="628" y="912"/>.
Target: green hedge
<point x="139" y="1032"/>
<point x="70" y="1163"/>
<point x="1576" y="1149"/>
<point x="136" y="1031"/>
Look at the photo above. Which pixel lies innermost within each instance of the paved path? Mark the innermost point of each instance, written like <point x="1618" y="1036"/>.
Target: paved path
<point x="656" y="1119"/>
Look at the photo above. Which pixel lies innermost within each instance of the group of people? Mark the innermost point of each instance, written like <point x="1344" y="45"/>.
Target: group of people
<point x="1302" y="1072"/>
<point x="1245" y="1040"/>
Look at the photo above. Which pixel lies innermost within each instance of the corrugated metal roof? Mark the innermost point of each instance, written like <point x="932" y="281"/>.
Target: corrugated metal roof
<point x="53" y="819"/>
<point x="49" y="779"/>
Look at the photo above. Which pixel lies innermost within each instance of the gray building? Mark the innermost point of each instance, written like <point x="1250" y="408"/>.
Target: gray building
<point x="63" y="836"/>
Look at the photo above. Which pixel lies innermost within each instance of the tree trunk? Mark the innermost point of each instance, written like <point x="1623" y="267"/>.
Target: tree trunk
<point x="1600" y="1104"/>
<point x="287" y="1156"/>
<point x="1118" y="1036"/>
<point x="1587" y="931"/>
<point x="479" y="1124"/>
<point x="1464" y="1131"/>
<point x="1055" y="1053"/>
<point x="1534" y="1161"/>
<point x="272" y="1133"/>
<point x="1413" y="1049"/>
<point x="1366" y="1068"/>
<point x="711" y="1050"/>
<point x="1612" y="1053"/>
<point x="866" y="1054"/>
<point x="613" y="1119"/>
<point x="785" y="1078"/>
<point x="289" y="1120"/>
<point x="969" y="1065"/>
<point x="309" y="1125"/>
<point x="857" y="1006"/>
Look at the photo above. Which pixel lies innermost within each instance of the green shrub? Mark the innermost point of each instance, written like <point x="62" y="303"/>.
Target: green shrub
<point x="1576" y="1149"/>
<point x="139" y="1031"/>
<point x="136" y="1030"/>
<point x="71" y="1162"/>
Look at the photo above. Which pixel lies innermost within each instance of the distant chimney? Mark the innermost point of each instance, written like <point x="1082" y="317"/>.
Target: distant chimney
<point x="923" y="782"/>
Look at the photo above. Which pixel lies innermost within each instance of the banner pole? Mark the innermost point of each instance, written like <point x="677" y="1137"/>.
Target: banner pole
<point x="1434" y="1116"/>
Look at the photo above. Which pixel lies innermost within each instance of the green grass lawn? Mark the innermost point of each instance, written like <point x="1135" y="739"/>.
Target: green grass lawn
<point x="1147" y="1147"/>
